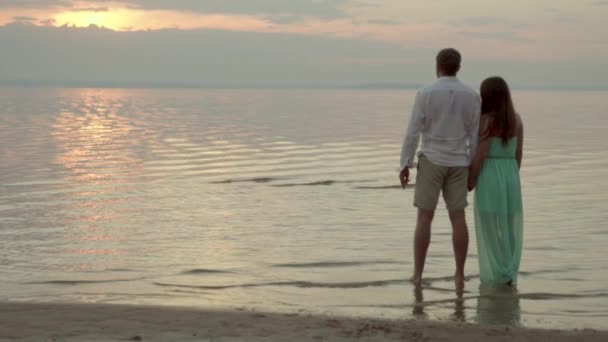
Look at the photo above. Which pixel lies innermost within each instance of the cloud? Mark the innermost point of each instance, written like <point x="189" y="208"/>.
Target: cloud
<point x="284" y="19"/>
<point x="48" y="22"/>
<point x="94" y="56"/>
<point x="496" y="36"/>
<point x="482" y="21"/>
<point x="559" y="16"/>
<point x="35" y="4"/>
<point x="200" y="57"/>
<point x="553" y="10"/>
<point x="281" y="9"/>
<point x="386" y="22"/>
<point x="490" y="28"/>
<point x="22" y="18"/>
<point x="90" y="9"/>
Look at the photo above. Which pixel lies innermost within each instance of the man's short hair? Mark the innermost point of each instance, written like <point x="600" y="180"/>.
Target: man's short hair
<point x="448" y="61"/>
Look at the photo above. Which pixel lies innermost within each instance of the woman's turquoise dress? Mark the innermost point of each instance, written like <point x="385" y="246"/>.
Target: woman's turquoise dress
<point x="499" y="214"/>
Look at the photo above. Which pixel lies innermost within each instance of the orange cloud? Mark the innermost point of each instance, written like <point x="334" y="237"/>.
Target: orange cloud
<point x="129" y="19"/>
<point x="495" y="41"/>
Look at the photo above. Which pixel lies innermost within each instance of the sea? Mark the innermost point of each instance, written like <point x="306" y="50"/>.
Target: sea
<point x="283" y="200"/>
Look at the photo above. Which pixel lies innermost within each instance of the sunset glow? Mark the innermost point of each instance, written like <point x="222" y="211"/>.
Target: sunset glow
<point x="518" y="35"/>
<point x="115" y="19"/>
<point x="133" y="20"/>
<point x="478" y="28"/>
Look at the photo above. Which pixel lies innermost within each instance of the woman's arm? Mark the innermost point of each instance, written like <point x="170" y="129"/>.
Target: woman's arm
<point x="482" y="151"/>
<point x="520" y="142"/>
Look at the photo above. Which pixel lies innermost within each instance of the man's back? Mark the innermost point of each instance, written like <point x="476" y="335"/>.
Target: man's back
<point x="446" y="114"/>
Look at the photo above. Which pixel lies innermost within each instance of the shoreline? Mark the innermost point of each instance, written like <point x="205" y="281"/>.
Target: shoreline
<point x="21" y="321"/>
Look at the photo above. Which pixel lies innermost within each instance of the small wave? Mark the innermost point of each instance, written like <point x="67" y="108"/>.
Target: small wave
<point x="81" y="282"/>
<point x="585" y="312"/>
<point x="190" y="292"/>
<point x="325" y="183"/>
<point x="440" y="289"/>
<point x="548" y="296"/>
<point x="34" y="183"/>
<point x="327" y="264"/>
<point x="449" y="278"/>
<point x="416" y="304"/>
<point x="127" y="294"/>
<point x="544" y="248"/>
<point x="205" y="271"/>
<point x="386" y="187"/>
<point x="251" y="180"/>
<point x="546" y="271"/>
<point x="299" y="284"/>
<point x="319" y="183"/>
<point x="119" y="270"/>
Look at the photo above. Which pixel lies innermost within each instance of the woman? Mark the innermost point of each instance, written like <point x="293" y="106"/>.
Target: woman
<point x="495" y="176"/>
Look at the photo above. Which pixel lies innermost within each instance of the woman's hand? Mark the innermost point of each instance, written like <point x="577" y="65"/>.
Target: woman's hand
<point x="472" y="181"/>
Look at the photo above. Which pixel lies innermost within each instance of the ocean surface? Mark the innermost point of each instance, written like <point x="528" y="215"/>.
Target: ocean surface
<point x="282" y="200"/>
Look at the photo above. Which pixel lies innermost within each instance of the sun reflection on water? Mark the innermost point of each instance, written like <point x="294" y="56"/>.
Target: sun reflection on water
<point x="94" y="143"/>
<point x="95" y="148"/>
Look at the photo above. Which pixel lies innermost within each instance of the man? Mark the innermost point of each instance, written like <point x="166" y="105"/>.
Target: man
<point x="446" y="114"/>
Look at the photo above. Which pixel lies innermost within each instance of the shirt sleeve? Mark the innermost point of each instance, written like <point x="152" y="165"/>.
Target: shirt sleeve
<point x="412" y="135"/>
<point x="472" y="127"/>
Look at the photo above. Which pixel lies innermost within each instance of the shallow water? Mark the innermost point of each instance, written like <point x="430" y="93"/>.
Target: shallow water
<point x="281" y="200"/>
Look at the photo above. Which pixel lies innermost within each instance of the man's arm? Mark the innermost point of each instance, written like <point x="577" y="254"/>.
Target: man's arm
<point x="412" y="135"/>
<point x="473" y="128"/>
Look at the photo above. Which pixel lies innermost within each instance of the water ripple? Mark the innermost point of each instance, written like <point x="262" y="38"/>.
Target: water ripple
<point x="298" y="284"/>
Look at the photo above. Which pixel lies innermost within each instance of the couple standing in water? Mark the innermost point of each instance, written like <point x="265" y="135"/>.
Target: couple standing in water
<point x="470" y="142"/>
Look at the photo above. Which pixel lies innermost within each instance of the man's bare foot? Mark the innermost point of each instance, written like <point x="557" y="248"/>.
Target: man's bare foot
<point x="459" y="281"/>
<point x="416" y="280"/>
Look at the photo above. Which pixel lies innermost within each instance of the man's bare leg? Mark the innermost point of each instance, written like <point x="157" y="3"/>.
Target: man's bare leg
<point x="422" y="239"/>
<point x="460" y="242"/>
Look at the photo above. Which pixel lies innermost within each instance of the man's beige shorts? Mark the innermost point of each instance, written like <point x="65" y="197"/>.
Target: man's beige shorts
<point x="432" y="179"/>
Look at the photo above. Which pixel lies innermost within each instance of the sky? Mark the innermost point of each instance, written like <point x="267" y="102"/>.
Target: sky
<point x="540" y="43"/>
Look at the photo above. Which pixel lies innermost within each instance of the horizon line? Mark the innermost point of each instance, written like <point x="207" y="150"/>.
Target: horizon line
<point x="258" y="85"/>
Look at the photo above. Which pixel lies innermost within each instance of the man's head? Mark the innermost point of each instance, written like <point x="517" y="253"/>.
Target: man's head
<point x="448" y="62"/>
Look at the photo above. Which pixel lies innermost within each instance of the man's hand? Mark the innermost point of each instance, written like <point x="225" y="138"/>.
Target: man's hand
<point x="472" y="182"/>
<point x="404" y="177"/>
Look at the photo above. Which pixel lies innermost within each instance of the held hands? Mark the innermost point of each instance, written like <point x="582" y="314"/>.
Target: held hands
<point x="404" y="177"/>
<point x="472" y="181"/>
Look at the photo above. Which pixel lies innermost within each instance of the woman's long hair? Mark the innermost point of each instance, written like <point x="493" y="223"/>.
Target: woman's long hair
<point x="496" y="99"/>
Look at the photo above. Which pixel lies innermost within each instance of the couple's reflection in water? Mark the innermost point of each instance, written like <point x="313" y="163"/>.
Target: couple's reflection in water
<point x="498" y="305"/>
<point x="495" y="305"/>
<point x="419" y="307"/>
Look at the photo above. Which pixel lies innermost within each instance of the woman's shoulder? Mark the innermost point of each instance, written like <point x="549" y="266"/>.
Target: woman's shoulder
<point x="519" y="122"/>
<point x="519" y="127"/>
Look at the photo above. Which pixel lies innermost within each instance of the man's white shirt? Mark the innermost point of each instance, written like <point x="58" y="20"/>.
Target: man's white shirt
<point x="446" y="115"/>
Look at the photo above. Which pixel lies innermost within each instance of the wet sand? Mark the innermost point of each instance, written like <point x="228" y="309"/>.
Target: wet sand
<point x="95" y="322"/>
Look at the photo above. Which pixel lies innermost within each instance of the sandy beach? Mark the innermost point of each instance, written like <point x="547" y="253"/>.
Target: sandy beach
<point x="82" y="322"/>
